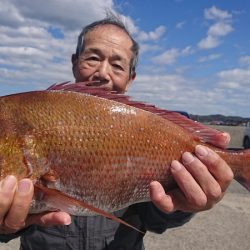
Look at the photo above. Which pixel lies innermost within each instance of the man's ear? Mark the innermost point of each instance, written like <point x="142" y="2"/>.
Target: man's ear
<point x="74" y="61"/>
<point x="132" y="78"/>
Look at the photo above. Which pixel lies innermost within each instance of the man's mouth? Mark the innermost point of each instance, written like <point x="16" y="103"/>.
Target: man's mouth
<point x="97" y="83"/>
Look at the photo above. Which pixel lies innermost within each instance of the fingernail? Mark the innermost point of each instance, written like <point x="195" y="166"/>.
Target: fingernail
<point x="24" y="186"/>
<point x="227" y="137"/>
<point x="9" y="183"/>
<point x="187" y="158"/>
<point x="201" y="151"/>
<point x="67" y="221"/>
<point x="176" y="166"/>
<point x="154" y="185"/>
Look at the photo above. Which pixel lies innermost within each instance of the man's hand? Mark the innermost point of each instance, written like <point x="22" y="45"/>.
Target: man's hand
<point x="15" y="199"/>
<point x="202" y="180"/>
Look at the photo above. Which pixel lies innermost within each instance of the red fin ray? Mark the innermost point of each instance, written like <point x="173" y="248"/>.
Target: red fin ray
<point x="206" y="134"/>
<point x="57" y="85"/>
<point x="57" y="198"/>
<point x="242" y="172"/>
<point x="202" y="132"/>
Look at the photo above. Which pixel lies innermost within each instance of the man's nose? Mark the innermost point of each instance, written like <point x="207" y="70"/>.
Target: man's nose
<point x="104" y="70"/>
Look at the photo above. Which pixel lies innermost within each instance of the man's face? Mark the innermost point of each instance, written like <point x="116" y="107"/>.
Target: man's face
<point x="106" y="58"/>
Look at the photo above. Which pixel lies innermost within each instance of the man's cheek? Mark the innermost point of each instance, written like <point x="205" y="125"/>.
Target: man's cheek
<point x="85" y="74"/>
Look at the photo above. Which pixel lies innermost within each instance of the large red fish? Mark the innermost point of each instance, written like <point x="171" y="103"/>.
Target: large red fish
<point x="89" y="154"/>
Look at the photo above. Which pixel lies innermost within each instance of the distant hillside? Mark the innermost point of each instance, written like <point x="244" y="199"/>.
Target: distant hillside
<point x="220" y="119"/>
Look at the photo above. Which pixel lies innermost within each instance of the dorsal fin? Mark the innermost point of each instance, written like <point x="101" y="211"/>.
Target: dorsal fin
<point x="205" y="134"/>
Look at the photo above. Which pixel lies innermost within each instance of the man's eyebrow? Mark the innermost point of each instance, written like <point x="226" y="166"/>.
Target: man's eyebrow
<point x="94" y="50"/>
<point x="118" y="58"/>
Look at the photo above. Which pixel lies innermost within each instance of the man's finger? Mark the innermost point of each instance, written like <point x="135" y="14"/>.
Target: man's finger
<point x="7" y="191"/>
<point x="203" y="177"/>
<point x="188" y="185"/>
<point x="216" y="166"/>
<point x="49" y="219"/>
<point x="160" y="198"/>
<point x="19" y="209"/>
<point x="170" y="201"/>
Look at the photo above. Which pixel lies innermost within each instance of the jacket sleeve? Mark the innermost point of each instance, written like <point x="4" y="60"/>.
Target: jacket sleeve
<point x="7" y="237"/>
<point x="157" y="221"/>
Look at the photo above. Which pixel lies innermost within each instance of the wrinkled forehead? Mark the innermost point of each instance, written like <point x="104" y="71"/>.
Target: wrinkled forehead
<point x="110" y="35"/>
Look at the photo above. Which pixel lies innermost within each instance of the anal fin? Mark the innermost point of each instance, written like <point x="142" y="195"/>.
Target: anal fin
<point x="59" y="199"/>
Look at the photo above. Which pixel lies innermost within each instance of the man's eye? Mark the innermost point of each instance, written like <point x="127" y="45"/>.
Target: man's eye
<point x="117" y="66"/>
<point x="93" y="58"/>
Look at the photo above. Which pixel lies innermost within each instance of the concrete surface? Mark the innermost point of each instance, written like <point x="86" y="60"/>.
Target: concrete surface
<point x="225" y="227"/>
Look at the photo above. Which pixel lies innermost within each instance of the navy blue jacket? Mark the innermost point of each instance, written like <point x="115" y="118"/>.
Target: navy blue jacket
<point x="99" y="233"/>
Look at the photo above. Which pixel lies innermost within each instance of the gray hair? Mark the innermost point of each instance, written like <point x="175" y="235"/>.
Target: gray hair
<point x="114" y="20"/>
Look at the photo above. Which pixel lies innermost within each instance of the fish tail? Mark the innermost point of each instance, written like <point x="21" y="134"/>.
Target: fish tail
<point x="61" y="200"/>
<point x="241" y="167"/>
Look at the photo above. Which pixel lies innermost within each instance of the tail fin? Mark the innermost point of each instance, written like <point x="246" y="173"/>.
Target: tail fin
<point x="245" y="183"/>
<point x="242" y="171"/>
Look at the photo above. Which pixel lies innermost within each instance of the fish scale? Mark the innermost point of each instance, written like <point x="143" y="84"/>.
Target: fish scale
<point x="125" y="142"/>
<point x="92" y="149"/>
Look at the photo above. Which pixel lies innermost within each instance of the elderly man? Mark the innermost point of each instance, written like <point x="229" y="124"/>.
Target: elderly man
<point x="106" y="52"/>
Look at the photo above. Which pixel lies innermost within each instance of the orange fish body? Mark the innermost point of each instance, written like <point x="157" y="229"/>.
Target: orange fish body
<point x="92" y="149"/>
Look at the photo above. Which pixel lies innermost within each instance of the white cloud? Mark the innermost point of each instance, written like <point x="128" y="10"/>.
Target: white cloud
<point x="229" y="85"/>
<point x="178" y="92"/>
<point x="9" y="14"/>
<point x="220" y="28"/>
<point x="186" y="51"/>
<point x="209" y="57"/>
<point x="64" y="13"/>
<point x="214" y="13"/>
<point x="148" y="47"/>
<point x="180" y="25"/>
<point x="245" y="60"/>
<point x="170" y="56"/>
<point x="237" y="75"/>
<point x="22" y="52"/>
<point x="209" y="42"/>
<point x="152" y="35"/>
<point x="157" y="89"/>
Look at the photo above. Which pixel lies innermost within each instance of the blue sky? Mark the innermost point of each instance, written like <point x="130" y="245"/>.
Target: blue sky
<point x="195" y="55"/>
